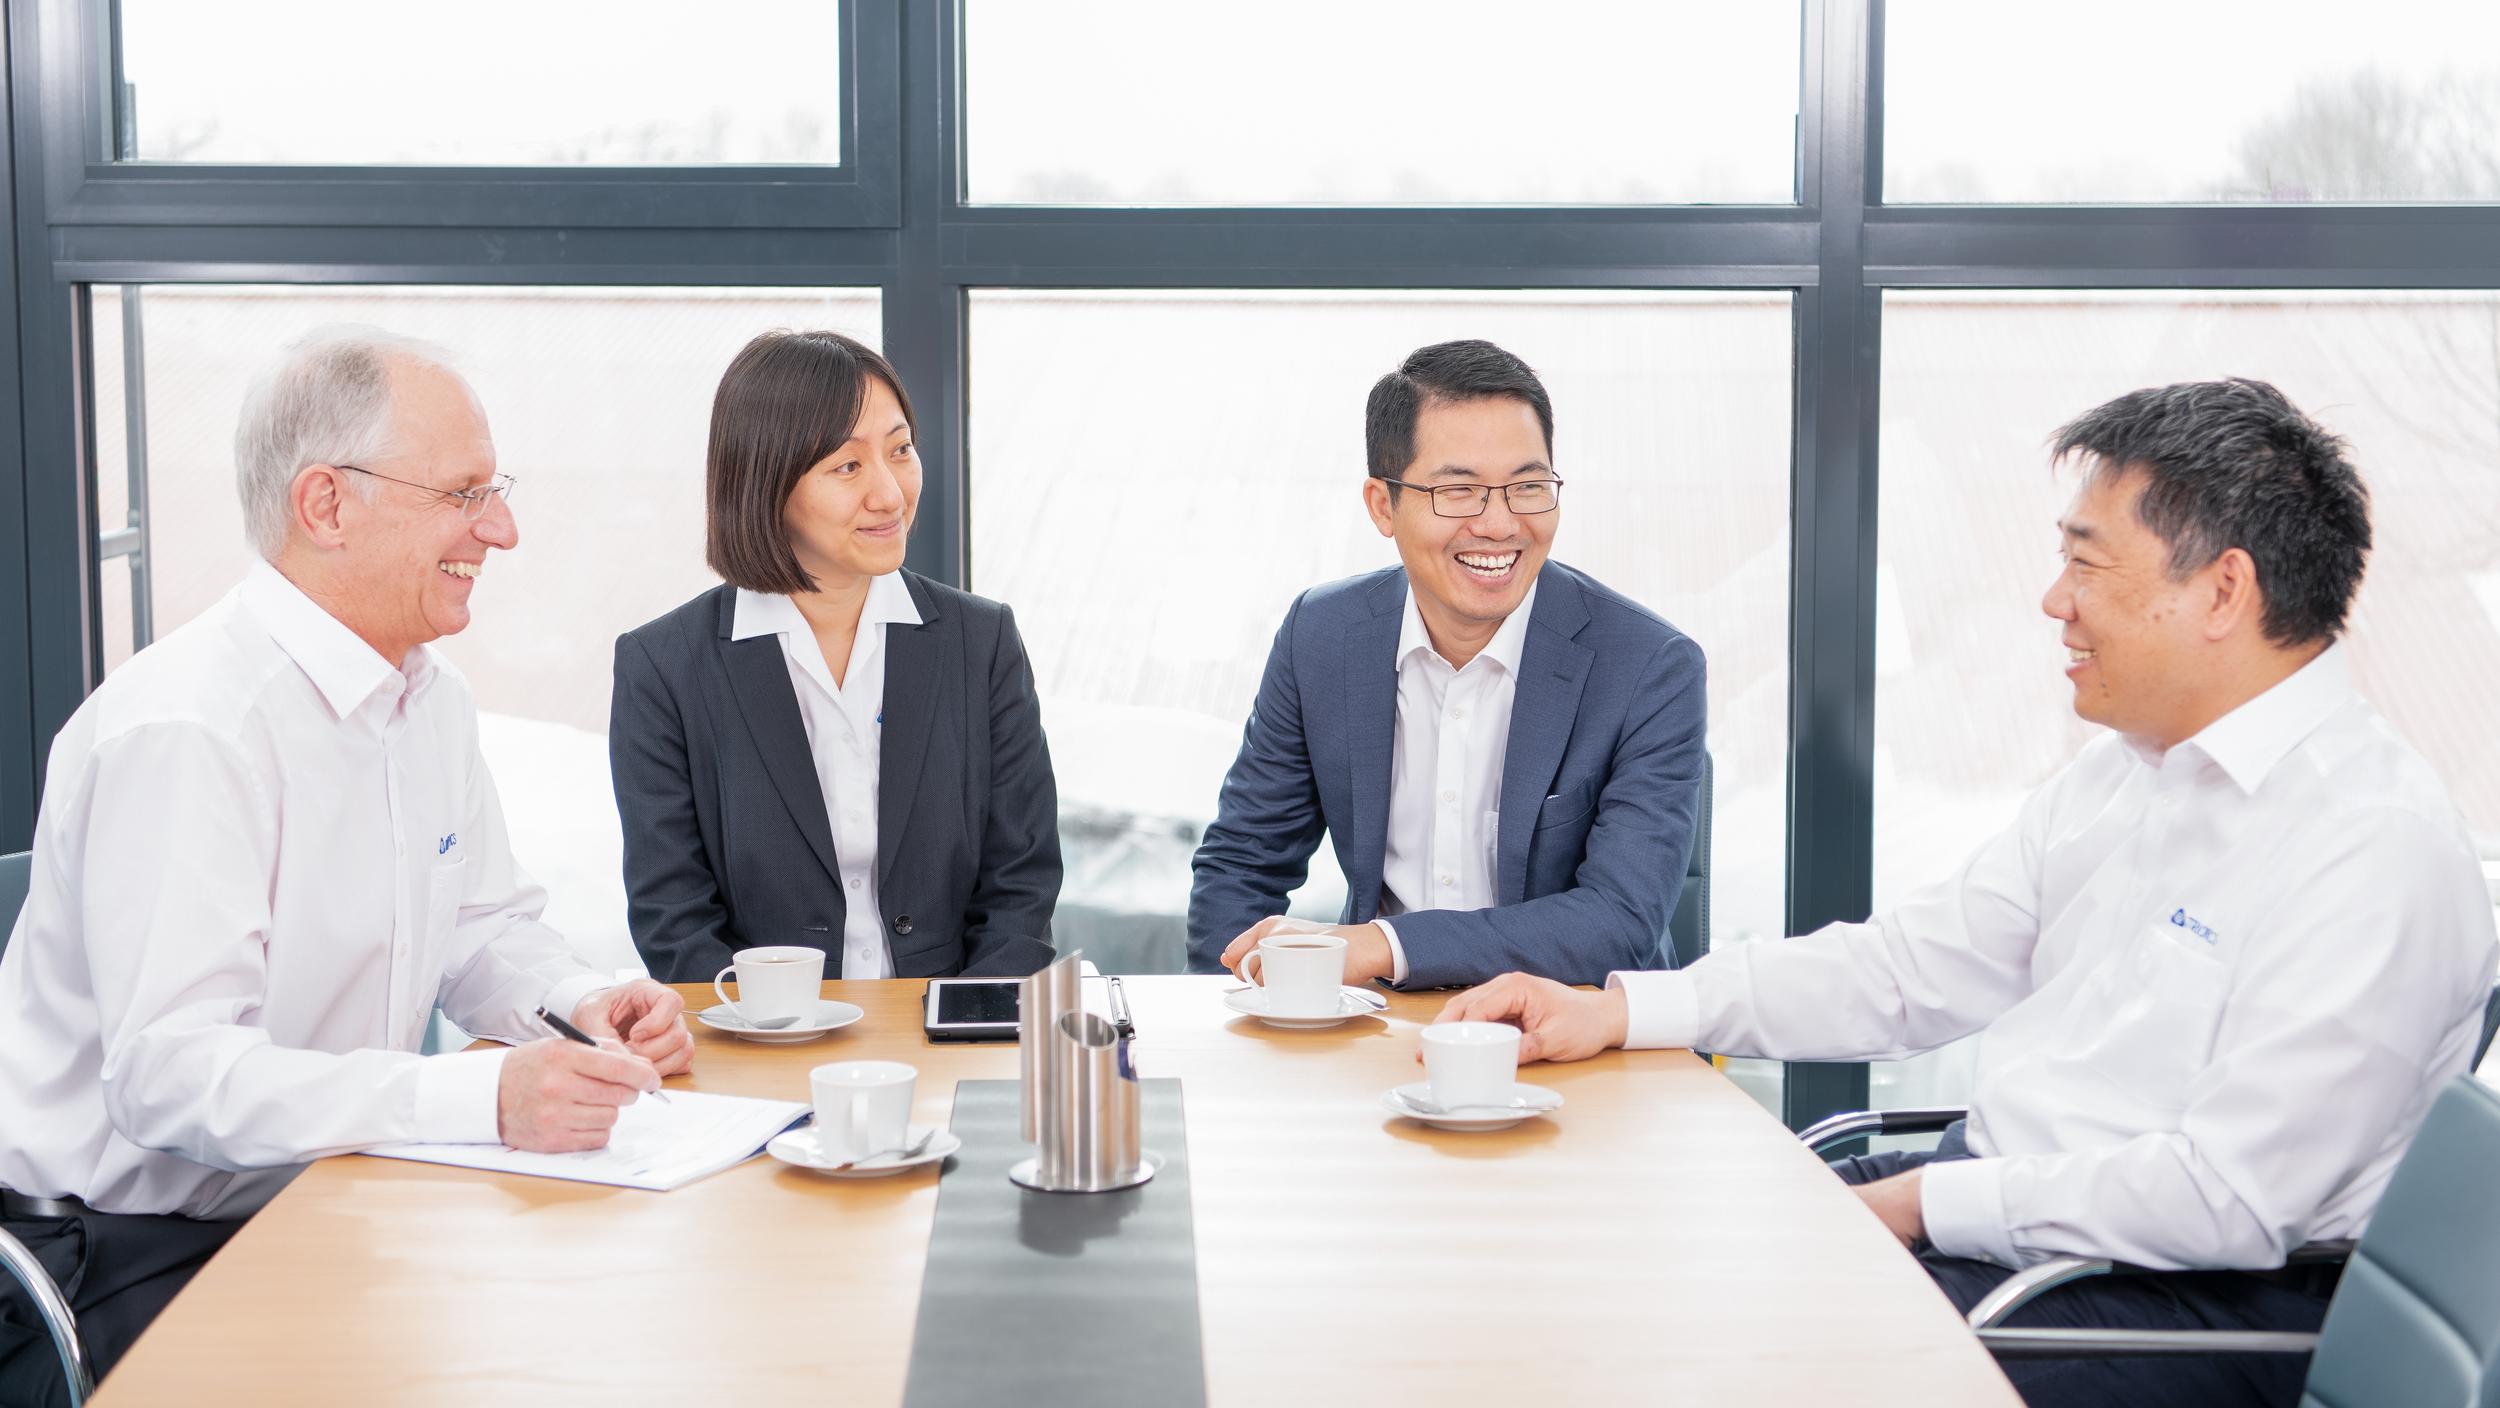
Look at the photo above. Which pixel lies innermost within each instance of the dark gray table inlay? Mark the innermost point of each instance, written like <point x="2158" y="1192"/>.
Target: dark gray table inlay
<point x="1042" y="1299"/>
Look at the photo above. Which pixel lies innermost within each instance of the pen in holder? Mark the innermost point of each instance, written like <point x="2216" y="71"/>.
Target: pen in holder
<point x="1080" y="1092"/>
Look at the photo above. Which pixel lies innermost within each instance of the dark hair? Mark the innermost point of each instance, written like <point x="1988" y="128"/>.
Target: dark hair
<point x="2232" y="464"/>
<point x="788" y="400"/>
<point x="1470" y="370"/>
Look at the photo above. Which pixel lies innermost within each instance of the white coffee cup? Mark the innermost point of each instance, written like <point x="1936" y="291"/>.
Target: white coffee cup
<point x="862" y="1107"/>
<point x="1303" y="973"/>
<point x="1471" y="1063"/>
<point x="776" y="986"/>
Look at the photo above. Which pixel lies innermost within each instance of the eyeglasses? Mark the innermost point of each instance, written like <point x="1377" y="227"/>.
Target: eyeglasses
<point x="472" y="501"/>
<point x="1471" y="500"/>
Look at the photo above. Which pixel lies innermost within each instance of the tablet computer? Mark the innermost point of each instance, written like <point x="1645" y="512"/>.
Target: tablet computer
<point x="970" y="1009"/>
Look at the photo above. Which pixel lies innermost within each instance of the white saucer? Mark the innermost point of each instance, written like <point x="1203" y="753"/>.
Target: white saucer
<point x="829" y="1016"/>
<point x="798" y="1148"/>
<point x="1252" y="1002"/>
<point x="1536" y="1100"/>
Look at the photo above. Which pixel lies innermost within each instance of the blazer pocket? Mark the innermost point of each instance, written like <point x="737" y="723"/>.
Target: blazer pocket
<point x="1567" y="806"/>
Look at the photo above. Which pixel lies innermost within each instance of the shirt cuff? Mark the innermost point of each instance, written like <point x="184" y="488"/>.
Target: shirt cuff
<point x="456" y="1097"/>
<point x="1397" y="954"/>
<point x="1962" y="1202"/>
<point x="1660" y="1008"/>
<point x="567" y="995"/>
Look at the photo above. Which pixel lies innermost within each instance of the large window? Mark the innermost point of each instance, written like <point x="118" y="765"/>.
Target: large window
<point x="600" y="401"/>
<point x="2156" y="100"/>
<point x="1317" y="102"/>
<point x="1972" y="711"/>
<point x="1155" y="477"/>
<point x="481" y="82"/>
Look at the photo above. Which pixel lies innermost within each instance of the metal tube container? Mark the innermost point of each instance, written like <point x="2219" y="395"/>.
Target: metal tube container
<point x="1041" y="1000"/>
<point x="1102" y="1114"/>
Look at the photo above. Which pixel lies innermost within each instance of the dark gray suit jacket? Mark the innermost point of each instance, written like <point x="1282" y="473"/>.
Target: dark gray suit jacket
<point x="727" y="844"/>
<point x="1598" y="788"/>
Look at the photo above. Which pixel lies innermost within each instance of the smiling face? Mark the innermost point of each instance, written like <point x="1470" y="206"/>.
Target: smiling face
<point x="409" y="560"/>
<point x="2136" y="639"/>
<point x="850" y="514"/>
<point x="1469" y="574"/>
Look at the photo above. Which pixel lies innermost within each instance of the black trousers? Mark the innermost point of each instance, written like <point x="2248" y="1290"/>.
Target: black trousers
<point x="2199" y="1300"/>
<point x="117" y="1270"/>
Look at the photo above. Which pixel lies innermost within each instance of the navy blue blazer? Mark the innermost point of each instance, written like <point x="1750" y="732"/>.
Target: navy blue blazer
<point x="1598" y="788"/>
<point x="727" y="842"/>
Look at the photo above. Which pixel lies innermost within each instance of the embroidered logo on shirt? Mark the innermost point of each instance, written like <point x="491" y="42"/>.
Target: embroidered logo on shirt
<point x="2180" y="918"/>
<point x="450" y="839"/>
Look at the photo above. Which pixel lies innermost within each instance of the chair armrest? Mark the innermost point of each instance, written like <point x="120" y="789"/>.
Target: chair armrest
<point x="53" y="1309"/>
<point x="2118" y="1344"/>
<point x="1859" y="1123"/>
<point x="2033" y="1282"/>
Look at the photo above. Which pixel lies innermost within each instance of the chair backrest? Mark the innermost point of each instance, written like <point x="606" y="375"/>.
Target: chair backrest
<point x="2417" y="1316"/>
<point x="2491" y="1023"/>
<point x="1688" y="932"/>
<point x="17" y="872"/>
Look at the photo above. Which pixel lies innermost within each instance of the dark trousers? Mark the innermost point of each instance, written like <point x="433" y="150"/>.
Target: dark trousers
<point x="116" y="1270"/>
<point x="2200" y="1300"/>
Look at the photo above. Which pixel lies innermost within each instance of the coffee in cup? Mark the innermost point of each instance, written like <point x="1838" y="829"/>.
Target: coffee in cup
<point x="776" y="985"/>
<point x="1471" y="1063"/>
<point x="1302" y="973"/>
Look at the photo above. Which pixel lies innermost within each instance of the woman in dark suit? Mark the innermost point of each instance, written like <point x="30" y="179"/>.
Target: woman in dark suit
<point x="829" y="750"/>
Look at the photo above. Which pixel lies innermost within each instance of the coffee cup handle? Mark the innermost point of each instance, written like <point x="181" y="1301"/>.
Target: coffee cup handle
<point x="1247" y="972"/>
<point x="723" y="993"/>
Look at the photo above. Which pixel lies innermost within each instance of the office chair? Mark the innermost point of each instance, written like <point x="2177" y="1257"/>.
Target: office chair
<point x="2029" y="1284"/>
<point x="16" y="874"/>
<point x="1688" y="930"/>
<point x="2416" y="1318"/>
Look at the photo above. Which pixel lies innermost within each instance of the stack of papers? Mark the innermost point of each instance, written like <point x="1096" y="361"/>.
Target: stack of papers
<point x="655" y="1145"/>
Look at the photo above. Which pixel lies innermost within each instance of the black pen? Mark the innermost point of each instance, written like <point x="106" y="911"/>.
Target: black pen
<point x="570" y="1032"/>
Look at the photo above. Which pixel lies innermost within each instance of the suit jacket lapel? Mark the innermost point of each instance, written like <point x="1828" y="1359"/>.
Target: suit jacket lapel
<point x="759" y="677"/>
<point x="1371" y="712"/>
<point x="1553" y="668"/>
<point x="914" y="658"/>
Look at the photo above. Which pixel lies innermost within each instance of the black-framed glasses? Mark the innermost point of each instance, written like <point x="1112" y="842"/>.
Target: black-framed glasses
<point x="1470" y="500"/>
<point x="472" y="501"/>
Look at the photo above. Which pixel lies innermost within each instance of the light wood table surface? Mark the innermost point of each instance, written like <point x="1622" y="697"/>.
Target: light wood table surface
<point x="1661" y="1239"/>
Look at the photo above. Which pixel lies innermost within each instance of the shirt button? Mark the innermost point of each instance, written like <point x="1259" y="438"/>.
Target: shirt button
<point x="854" y="882"/>
<point x="1448" y="881"/>
<point x="1459" y="713"/>
<point x="1449" y="795"/>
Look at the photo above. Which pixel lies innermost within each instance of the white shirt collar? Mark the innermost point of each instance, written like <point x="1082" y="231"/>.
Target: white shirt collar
<point x="761" y="614"/>
<point x="2247" y="742"/>
<point x="1504" y="649"/>
<point x="345" y="669"/>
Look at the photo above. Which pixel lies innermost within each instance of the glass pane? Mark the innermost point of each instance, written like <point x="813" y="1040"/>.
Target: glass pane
<point x="1972" y="710"/>
<point x="601" y="402"/>
<point x="1150" y="556"/>
<point x="482" y="82"/>
<point x="1314" y="102"/>
<point x="2155" y="100"/>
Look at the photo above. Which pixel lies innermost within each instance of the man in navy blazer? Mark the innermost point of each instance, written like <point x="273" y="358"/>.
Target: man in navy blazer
<point x="1506" y="754"/>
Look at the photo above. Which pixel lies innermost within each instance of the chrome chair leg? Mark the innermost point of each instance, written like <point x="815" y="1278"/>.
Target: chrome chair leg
<point x="54" y="1309"/>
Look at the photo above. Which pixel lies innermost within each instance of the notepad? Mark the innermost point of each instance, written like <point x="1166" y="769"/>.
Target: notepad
<point x="655" y="1145"/>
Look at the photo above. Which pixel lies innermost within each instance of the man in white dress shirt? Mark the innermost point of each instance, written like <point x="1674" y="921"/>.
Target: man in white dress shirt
<point x="268" y="848"/>
<point x="2220" y="964"/>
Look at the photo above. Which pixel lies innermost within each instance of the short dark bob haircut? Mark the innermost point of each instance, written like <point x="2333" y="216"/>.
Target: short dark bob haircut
<point x="2233" y="464"/>
<point x="788" y="400"/>
<point x="1469" y="370"/>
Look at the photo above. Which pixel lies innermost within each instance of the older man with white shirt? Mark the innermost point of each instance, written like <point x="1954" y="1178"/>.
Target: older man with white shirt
<point x="268" y="849"/>
<point x="2220" y="964"/>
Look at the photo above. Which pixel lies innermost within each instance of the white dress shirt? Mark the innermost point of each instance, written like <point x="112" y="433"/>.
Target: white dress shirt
<point x="2219" y="988"/>
<point x="845" y="731"/>
<point x="264" y="856"/>
<point x="1445" y="772"/>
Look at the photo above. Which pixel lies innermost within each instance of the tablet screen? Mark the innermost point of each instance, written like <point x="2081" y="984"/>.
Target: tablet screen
<point x="960" y="1003"/>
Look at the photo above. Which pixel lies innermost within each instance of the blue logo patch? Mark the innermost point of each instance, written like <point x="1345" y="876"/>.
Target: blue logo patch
<point x="450" y="839"/>
<point x="2180" y="918"/>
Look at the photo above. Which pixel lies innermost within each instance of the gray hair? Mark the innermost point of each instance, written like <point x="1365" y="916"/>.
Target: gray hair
<point x="327" y="400"/>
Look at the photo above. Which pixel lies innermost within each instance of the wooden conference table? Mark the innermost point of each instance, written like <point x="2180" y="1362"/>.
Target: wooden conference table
<point x="1660" y="1239"/>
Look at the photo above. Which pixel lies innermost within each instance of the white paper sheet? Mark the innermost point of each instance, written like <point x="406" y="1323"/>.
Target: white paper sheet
<point x="655" y="1145"/>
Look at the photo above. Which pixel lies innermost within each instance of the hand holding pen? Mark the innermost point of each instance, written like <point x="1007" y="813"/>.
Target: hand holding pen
<point x="562" y="1096"/>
